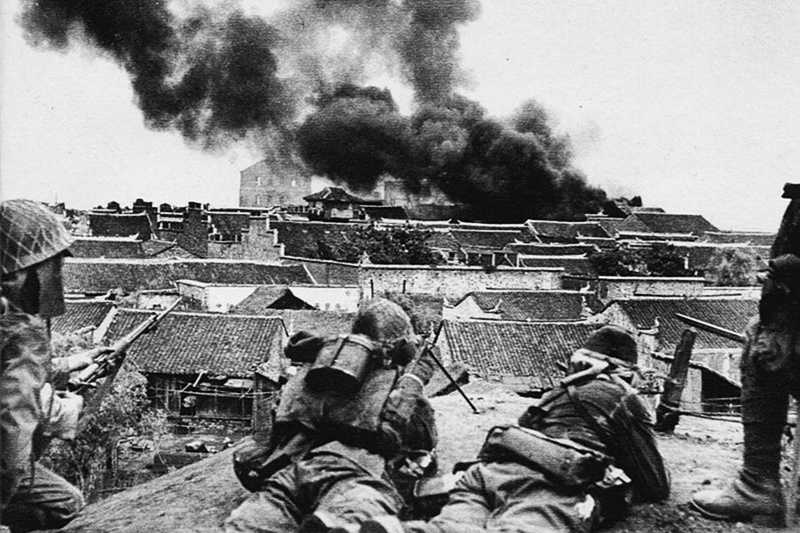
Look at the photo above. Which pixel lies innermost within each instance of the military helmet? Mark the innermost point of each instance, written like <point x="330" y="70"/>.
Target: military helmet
<point x="383" y="321"/>
<point x="613" y="341"/>
<point x="29" y="234"/>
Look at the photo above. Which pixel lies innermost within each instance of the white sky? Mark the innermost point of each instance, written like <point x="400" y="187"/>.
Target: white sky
<point x="692" y="104"/>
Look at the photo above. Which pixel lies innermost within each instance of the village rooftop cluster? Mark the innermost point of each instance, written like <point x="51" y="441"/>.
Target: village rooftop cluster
<point x="505" y="302"/>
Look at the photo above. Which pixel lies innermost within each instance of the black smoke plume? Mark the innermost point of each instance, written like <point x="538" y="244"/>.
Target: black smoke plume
<point x="218" y="75"/>
<point x="355" y="136"/>
<point x="210" y="76"/>
<point x="500" y="173"/>
<point x="429" y="45"/>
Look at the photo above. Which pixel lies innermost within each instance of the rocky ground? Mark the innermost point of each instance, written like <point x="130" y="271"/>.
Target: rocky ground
<point x="198" y="497"/>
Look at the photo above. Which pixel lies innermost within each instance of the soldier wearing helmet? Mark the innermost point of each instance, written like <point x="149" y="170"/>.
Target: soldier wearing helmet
<point x="32" y="244"/>
<point x="350" y="415"/>
<point x="578" y="457"/>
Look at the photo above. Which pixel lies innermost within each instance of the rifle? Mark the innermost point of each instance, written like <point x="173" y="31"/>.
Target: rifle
<point x="108" y="365"/>
<point x="711" y="328"/>
<point x="429" y="350"/>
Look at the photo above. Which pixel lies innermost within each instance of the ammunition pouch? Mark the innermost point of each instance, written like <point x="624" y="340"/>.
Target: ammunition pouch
<point x="565" y="463"/>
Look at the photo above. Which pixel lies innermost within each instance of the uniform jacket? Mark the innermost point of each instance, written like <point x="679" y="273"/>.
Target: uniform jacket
<point x="621" y="426"/>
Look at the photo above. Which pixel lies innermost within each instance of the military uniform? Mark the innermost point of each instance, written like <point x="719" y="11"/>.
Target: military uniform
<point x="503" y="493"/>
<point x="770" y="370"/>
<point x="31" y="497"/>
<point x="338" y="446"/>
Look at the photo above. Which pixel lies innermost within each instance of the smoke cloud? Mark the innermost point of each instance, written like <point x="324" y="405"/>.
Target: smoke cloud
<point x="500" y="172"/>
<point x="210" y="76"/>
<point x="296" y="82"/>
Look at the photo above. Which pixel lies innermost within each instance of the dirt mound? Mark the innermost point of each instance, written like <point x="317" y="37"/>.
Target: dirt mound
<point x="200" y="496"/>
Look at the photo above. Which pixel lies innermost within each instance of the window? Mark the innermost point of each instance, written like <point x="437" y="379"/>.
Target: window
<point x="258" y="181"/>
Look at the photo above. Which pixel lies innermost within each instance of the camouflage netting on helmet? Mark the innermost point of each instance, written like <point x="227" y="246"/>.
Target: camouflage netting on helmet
<point x="382" y="320"/>
<point x="29" y="234"/>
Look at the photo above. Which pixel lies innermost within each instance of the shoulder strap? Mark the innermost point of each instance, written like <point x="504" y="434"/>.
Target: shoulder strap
<point x="572" y="394"/>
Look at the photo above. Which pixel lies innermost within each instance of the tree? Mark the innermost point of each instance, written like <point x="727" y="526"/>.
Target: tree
<point x="405" y="245"/>
<point x="88" y="461"/>
<point x="656" y="260"/>
<point x="664" y="260"/>
<point x="731" y="267"/>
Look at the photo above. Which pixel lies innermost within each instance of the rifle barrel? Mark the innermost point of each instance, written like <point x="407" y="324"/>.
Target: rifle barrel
<point x="711" y="328"/>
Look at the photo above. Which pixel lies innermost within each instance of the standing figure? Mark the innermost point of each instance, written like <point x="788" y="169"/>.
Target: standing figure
<point x="580" y="455"/>
<point x="354" y="408"/>
<point x="32" y="243"/>
<point x="770" y="369"/>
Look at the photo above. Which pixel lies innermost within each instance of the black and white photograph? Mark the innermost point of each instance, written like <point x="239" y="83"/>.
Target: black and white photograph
<point x="399" y="266"/>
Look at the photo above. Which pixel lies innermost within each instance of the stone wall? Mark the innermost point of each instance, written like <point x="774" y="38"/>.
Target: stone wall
<point x="624" y="287"/>
<point x="453" y="282"/>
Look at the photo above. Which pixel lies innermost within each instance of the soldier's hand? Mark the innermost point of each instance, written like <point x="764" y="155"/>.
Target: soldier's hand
<point x="81" y="360"/>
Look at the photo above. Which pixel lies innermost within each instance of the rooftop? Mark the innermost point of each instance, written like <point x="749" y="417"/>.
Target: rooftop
<point x="95" y="276"/>
<point x="188" y="343"/>
<point x="337" y="194"/>
<point x="107" y="247"/>
<point x="731" y="313"/>
<point x="530" y="305"/>
<point x="80" y="314"/>
<point x="562" y="231"/>
<point x="667" y="223"/>
<point x="518" y="349"/>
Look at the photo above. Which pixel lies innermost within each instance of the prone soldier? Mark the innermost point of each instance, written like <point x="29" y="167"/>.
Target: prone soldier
<point x="354" y="410"/>
<point x="580" y="455"/>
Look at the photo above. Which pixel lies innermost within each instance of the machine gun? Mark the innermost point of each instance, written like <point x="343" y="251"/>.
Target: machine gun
<point x="100" y="375"/>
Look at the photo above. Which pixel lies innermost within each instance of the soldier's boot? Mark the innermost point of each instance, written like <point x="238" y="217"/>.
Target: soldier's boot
<point x="759" y="501"/>
<point x="756" y="495"/>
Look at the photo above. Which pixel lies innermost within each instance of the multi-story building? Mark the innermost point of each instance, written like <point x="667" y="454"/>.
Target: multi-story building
<point x="274" y="181"/>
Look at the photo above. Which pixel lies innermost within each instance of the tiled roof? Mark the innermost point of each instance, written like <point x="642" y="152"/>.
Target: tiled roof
<point x="186" y="343"/>
<point x="260" y="301"/>
<point x="488" y="239"/>
<point x="120" y="225"/>
<point x="732" y="314"/>
<point x="297" y="237"/>
<point x="572" y="264"/>
<point x="322" y="323"/>
<point x="755" y="238"/>
<point x="336" y="194"/>
<point x="101" y="275"/>
<point x="560" y="231"/>
<point x="531" y="305"/>
<point x="377" y="212"/>
<point x="108" y="247"/>
<point x="667" y="223"/>
<point x="79" y="315"/>
<point x="515" y="348"/>
<point x="539" y="248"/>
<point x="443" y="240"/>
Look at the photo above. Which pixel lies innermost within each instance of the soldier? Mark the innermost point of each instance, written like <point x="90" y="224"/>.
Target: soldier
<point x="559" y="470"/>
<point x="770" y="368"/>
<point x="354" y="408"/>
<point x="32" y="242"/>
